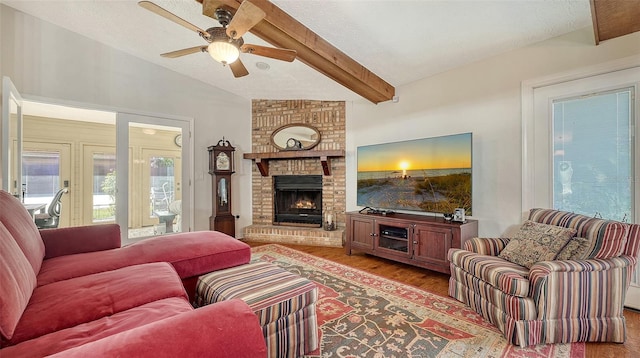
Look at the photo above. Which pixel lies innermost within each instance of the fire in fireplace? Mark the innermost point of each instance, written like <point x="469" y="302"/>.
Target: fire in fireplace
<point x="304" y="204"/>
<point x="297" y="200"/>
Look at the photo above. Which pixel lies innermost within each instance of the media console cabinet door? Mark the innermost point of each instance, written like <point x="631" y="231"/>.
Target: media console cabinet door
<point x="360" y="233"/>
<point x="431" y="244"/>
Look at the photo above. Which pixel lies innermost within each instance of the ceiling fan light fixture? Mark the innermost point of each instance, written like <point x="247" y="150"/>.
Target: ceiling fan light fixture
<point x="223" y="52"/>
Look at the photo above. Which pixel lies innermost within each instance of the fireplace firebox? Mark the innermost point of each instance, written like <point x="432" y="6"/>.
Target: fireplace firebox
<point x="297" y="200"/>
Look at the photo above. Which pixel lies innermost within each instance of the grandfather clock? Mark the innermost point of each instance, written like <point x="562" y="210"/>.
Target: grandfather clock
<point x="221" y="166"/>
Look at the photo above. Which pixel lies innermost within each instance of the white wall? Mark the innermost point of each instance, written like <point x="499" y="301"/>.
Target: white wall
<point x="47" y="61"/>
<point x="483" y="98"/>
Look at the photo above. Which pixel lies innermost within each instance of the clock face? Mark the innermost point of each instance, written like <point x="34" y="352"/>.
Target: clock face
<point x="222" y="162"/>
<point x="178" y="140"/>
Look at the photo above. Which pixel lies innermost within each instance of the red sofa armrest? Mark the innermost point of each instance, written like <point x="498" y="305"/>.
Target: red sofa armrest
<point x="227" y="329"/>
<point x="79" y="239"/>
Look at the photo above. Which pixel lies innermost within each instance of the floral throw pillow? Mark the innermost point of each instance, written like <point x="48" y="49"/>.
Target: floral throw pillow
<point x="578" y="248"/>
<point x="536" y="242"/>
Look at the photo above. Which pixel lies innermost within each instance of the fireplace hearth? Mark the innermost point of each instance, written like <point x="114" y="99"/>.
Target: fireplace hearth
<point x="297" y="200"/>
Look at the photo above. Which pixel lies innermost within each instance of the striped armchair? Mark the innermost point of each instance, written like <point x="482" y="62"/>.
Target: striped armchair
<point x="552" y="301"/>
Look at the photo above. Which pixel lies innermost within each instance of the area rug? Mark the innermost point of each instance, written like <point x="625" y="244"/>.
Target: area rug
<point x="364" y="315"/>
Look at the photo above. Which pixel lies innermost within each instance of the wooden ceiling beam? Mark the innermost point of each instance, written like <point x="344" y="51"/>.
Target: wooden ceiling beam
<point x="281" y="30"/>
<point x="614" y="18"/>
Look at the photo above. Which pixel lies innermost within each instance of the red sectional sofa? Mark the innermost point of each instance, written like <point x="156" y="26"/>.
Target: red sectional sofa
<point x="76" y="292"/>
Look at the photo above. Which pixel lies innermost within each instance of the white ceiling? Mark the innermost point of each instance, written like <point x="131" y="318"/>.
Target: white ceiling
<point x="400" y="41"/>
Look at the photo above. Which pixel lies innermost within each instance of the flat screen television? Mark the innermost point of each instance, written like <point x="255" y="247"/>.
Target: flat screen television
<point x="431" y="175"/>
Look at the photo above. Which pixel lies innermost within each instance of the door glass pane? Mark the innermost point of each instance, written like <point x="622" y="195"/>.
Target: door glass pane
<point x="162" y="183"/>
<point x="104" y="187"/>
<point x="593" y="155"/>
<point x="155" y="194"/>
<point x="165" y="200"/>
<point x="40" y="176"/>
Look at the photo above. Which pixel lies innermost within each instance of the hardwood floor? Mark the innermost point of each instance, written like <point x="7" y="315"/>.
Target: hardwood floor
<point x="438" y="283"/>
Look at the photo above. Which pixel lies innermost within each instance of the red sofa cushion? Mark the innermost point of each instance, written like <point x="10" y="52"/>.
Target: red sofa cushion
<point x="191" y="253"/>
<point x="211" y="331"/>
<point x="195" y="253"/>
<point x="21" y="226"/>
<point x="104" y="327"/>
<point x="17" y="282"/>
<point x="80" y="239"/>
<point x="84" y="299"/>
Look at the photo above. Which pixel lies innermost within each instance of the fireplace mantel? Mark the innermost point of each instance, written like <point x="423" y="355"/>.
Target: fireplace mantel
<point x="262" y="159"/>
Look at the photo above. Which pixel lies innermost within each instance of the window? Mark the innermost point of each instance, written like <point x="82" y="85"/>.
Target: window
<point x="104" y="187"/>
<point x="40" y="175"/>
<point x="593" y="154"/>
<point x="581" y="144"/>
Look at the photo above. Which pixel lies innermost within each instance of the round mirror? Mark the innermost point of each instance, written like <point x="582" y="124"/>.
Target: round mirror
<point x="295" y="137"/>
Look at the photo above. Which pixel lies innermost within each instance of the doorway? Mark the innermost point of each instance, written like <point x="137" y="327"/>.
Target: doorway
<point x="53" y="146"/>
<point x="157" y="165"/>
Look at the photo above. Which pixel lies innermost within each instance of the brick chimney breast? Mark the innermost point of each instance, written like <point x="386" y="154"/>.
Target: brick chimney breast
<point x="328" y="117"/>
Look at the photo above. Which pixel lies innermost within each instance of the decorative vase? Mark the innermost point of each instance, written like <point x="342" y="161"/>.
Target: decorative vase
<point x="329" y="220"/>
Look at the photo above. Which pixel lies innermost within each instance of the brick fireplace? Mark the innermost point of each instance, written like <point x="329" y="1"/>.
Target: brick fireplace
<point x="328" y="117"/>
<point x="297" y="200"/>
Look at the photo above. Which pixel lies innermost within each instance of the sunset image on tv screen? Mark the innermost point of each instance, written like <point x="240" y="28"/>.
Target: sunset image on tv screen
<point x="429" y="175"/>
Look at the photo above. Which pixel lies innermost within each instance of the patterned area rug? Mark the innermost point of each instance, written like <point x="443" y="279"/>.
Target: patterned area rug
<point x="364" y="315"/>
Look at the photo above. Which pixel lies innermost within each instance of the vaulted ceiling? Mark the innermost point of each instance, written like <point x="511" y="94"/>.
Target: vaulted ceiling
<point x="373" y="46"/>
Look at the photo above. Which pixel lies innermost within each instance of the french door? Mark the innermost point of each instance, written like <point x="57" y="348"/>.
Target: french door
<point x="157" y="197"/>
<point x="98" y="184"/>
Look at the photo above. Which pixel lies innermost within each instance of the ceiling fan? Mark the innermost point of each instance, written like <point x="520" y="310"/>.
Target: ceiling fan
<point x="225" y="43"/>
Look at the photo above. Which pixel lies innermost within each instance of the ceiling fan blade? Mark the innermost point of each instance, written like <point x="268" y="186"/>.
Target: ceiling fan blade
<point x="247" y="16"/>
<point x="238" y="69"/>
<point x="271" y="52"/>
<point x="186" y="51"/>
<point x="175" y="18"/>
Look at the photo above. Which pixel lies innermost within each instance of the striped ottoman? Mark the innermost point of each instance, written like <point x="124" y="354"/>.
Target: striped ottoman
<point x="285" y="304"/>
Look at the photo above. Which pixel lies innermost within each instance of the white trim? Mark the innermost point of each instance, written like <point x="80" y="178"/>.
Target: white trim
<point x="98" y="107"/>
<point x="583" y="72"/>
<point x="633" y="293"/>
<point x="10" y="92"/>
<point x="526" y="199"/>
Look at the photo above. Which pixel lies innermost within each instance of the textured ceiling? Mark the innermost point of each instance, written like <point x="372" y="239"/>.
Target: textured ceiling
<point x="401" y="41"/>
